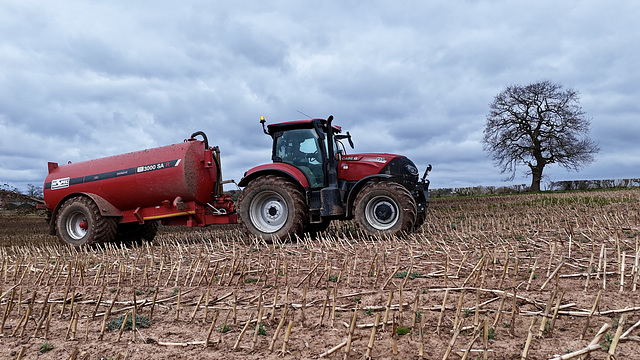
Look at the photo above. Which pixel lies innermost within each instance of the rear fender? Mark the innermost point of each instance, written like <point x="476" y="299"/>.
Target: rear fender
<point x="351" y="197"/>
<point x="281" y="169"/>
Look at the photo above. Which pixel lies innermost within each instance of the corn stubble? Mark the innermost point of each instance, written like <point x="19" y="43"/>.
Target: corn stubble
<point x="484" y="278"/>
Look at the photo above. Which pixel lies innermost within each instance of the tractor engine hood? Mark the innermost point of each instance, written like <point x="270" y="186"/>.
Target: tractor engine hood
<point x="354" y="167"/>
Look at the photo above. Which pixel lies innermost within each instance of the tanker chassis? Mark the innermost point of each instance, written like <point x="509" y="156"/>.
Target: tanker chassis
<point x="310" y="182"/>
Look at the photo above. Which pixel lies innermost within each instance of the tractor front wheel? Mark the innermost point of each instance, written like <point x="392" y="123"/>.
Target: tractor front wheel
<point x="79" y="222"/>
<point x="271" y="206"/>
<point x="420" y="219"/>
<point x="385" y="208"/>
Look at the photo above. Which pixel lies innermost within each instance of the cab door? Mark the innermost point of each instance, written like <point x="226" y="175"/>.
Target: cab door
<point x="303" y="149"/>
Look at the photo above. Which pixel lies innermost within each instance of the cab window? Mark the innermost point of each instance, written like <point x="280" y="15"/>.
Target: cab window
<point x="301" y="149"/>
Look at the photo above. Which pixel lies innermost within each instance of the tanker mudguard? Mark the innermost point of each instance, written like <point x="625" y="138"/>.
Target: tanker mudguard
<point x="283" y="169"/>
<point x="106" y="208"/>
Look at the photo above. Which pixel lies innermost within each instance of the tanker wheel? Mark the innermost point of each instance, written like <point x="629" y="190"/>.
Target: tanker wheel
<point x="135" y="233"/>
<point x="271" y="206"/>
<point x="79" y="223"/>
<point x="385" y="208"/>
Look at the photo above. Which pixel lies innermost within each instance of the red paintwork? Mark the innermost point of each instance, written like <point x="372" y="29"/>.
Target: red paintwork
<point x="147" y="195"/>
<point x="190" y="179"/>
<point x="354" y="167"/>
<point x="283" y="167"/>
<point x="193" y="214"/>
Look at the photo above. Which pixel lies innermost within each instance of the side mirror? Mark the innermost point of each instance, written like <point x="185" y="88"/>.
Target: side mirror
<point x="348" y="137"/>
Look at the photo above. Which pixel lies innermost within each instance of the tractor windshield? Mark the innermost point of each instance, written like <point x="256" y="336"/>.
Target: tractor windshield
<point x="301" y="148"/>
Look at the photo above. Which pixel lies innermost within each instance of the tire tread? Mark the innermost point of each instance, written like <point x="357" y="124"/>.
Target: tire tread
<point x="299" y="209"/>
<point x="406" y="202"/>
<point x="105" y="227"/>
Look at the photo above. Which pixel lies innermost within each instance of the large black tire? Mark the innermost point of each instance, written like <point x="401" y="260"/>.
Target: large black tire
<point x="79" y="223"/>
<point x="272" y="207"/>
<point x="385" y="208"/>
<point x="420" y="218"/>
<point x="135" y="233"/>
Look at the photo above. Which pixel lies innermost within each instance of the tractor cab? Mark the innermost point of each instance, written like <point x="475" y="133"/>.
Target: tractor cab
<point x="305" y="145"/>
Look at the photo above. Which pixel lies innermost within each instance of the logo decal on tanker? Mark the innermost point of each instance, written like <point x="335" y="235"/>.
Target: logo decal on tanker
<point x="66" y="182"/>
<point x="60" y="183"/>
<point x="158" y="166"/>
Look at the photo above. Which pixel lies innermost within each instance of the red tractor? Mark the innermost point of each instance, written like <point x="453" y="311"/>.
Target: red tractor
<point x="312" y="181"/>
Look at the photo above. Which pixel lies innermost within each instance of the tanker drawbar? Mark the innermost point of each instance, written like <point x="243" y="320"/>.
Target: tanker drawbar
<point x="125" y="197"/>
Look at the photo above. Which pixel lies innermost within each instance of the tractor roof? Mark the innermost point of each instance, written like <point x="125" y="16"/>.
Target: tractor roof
<point x="299" y="124"/>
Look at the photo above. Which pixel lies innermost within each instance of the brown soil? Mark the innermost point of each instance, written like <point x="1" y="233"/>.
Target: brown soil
<point x="475" y="252"/>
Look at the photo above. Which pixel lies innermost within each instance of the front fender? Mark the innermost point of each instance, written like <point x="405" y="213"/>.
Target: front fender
<point x="281" y="169"/>
<point x="351" y="197"/>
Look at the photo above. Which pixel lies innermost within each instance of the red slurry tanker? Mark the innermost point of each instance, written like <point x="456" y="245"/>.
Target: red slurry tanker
<point x="310" y="182"/>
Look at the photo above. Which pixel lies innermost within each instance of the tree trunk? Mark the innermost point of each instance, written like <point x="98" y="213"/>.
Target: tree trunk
<point x="536" y="172"/>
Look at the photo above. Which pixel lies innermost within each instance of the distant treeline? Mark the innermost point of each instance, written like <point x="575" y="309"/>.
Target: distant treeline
<point x="12" y="199"/>
<point x="522" y="188"/>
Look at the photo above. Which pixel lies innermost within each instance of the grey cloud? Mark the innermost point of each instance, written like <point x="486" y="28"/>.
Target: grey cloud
<point x="82" y="80"/>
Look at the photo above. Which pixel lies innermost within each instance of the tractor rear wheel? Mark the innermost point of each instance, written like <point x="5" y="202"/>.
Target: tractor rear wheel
<point x="385" y="208"/>
<point x="79" y="222"/>
<point x="271" y="206"/>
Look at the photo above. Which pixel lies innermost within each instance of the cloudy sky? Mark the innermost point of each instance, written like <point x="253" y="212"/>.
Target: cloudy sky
<point x="87" y="79"/>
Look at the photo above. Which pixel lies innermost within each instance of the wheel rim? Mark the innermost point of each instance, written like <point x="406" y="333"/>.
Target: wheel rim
<point x="77" y="225"/>
<point x="382" y="213"/>
<point x="269" y="212"/>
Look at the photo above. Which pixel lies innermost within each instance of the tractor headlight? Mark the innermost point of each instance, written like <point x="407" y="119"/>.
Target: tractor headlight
<point x="411" y="169"/>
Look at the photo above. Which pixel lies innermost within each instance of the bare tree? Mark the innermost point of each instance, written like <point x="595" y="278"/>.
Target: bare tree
<point x="34" y="191"/>
<point x="537" y="125"/>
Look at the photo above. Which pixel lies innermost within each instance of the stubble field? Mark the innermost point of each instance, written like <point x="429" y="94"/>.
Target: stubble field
<point x="502" y="277"/>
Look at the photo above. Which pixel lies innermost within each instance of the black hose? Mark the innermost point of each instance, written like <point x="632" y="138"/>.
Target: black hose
<point x="216" y="191"/>
<point x="204" y="136"/>
<point x="215" y="160"/>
